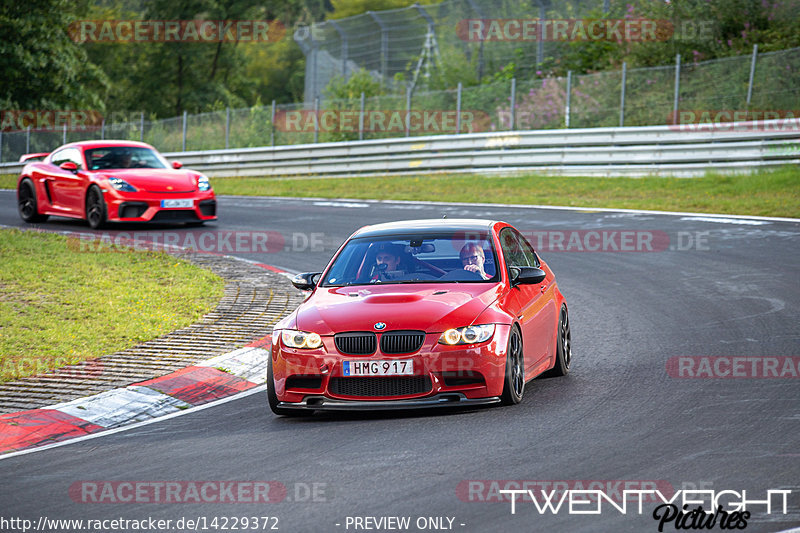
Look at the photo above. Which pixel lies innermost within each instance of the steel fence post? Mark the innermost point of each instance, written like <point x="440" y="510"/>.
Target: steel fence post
<point x="227" y="127"/>
<point x="185" y="118"/>
<point x="408" y="109"/>
<point x="361" y="119"/>
<point x="568" y="99"/>
<point x="458" y="109"/>
<point x="316" y="119"/>
<point x="752" y="74"/>
<point x="513" y="103"/>
<point x="677" y="88"/>
<point x="272" y="126"/>
<point x="622" y="95"/>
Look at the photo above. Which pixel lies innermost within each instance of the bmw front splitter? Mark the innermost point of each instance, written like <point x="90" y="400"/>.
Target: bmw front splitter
<point x="448" y="399"/>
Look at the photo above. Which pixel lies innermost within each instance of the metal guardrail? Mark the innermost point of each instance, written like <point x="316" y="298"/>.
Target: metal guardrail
<point x="632" y="151"/>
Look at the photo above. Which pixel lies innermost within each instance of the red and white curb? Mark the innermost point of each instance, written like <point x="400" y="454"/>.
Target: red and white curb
<point x="205" y="382"/>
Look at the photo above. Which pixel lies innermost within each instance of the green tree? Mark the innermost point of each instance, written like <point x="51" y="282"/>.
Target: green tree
<point x="42" y="66"/>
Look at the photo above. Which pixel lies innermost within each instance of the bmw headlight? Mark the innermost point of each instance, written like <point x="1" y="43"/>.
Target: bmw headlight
<point x="203" y="184"/>
<point x="301" y="339"/>
<point x="467" y="335"/>
<point x="121" y="185"/>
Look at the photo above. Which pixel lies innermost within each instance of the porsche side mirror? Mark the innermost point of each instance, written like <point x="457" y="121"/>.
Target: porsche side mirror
<point x="305" y="281"/>
<point x="526" y="275"/>
<point x="69" y="166"/>
<point x="176" y="165"/>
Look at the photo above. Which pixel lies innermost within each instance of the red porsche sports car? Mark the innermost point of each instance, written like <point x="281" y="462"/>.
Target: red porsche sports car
<point x="421" y="313"/>
<point x="101" y="181"/>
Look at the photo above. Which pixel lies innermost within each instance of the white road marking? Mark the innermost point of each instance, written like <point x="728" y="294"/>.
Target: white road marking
<point x="722" y="220"/>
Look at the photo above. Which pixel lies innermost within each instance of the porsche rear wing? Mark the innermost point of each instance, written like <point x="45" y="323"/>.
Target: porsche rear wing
<point x="28" y="157"/>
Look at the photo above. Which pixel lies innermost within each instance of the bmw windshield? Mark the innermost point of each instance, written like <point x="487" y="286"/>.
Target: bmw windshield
<point x="439" y="258"/>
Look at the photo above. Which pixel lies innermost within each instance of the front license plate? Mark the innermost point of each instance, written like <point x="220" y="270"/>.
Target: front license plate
<point x="187" y="202"/>
<point x="397" y="367"/>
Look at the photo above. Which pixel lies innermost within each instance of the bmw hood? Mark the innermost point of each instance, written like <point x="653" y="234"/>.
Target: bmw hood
<point x="428" y="308"/>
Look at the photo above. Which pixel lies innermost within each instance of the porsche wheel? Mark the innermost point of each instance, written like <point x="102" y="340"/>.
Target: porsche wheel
<point x="514" y="385"/>
<point x="95" y="208"/>
<point x="563" y="347"/>
<point x="26" y="202"/>
<point x="272" y="398"/>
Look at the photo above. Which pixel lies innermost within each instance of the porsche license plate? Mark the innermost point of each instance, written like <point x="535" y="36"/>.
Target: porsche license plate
<point x="182" y="203"/>
<point x="397" y="367"/>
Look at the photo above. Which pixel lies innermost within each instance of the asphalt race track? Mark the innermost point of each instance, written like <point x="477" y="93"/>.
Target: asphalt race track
<point x="717" y="288"/>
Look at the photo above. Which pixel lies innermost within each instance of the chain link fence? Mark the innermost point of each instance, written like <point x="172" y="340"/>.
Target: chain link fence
<point x="649" y="96"/>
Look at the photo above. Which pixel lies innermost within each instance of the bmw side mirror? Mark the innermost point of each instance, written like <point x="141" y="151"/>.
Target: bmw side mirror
<point x="531" y="275"/>
<point x="526" y="275"/>
<point x="69" y="166"/>
<point x="176" y="165"/>
<point x="305" y="281"/>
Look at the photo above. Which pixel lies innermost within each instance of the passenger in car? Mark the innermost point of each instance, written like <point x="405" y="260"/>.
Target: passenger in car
<point x="388" y="259"/>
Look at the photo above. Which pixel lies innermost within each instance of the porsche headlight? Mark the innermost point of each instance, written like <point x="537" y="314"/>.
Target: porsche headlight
<point x="203" y="184"/>
<point x="301" y="339"/>
<point x="467" y="335"/>
<point x="121" y="185"/>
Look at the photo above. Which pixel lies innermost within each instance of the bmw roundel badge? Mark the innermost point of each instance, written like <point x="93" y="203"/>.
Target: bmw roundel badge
<point x="379" y="325"/>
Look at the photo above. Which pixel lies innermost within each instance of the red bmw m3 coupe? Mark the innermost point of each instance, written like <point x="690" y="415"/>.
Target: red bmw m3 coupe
<point x="421" y="313"/>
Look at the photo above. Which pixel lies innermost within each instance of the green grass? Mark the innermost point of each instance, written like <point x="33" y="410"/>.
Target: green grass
<point x="766" y="193"/>
<point x="8" y="181"/>
<point x="61" y="304"/>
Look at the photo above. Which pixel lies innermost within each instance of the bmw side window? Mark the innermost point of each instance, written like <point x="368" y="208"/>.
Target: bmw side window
<point x="512" y="250"/>
<point x="527" y="249"/>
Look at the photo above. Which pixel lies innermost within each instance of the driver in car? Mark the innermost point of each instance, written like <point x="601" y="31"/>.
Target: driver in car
<point x="473" y="259"/>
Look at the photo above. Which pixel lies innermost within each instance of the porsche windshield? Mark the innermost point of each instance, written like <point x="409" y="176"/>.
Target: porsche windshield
<point x="441" y="258"/>
<point x="120" y="157"/>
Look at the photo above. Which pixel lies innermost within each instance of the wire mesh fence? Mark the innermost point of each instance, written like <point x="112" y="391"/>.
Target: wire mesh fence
<point x="758" y="83"/>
